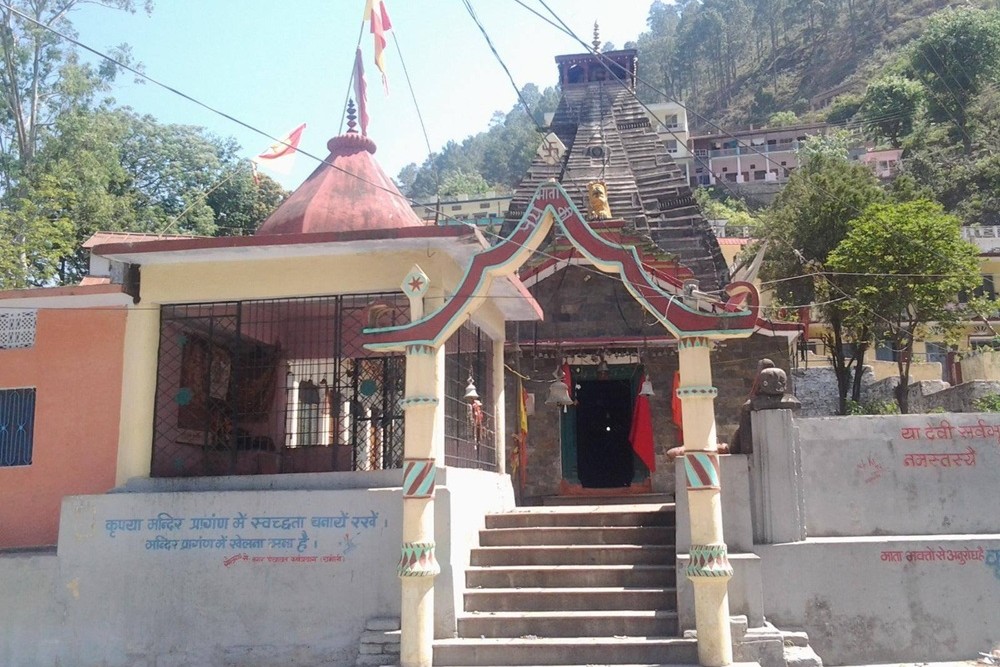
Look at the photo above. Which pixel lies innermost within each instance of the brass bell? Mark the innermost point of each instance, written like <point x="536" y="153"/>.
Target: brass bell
<point x="471" y="395"/>
<point x="558" y="392"/>
<point x="647" y="388"/>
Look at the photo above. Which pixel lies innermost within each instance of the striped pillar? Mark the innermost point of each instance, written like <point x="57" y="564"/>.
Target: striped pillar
<point x="417" y="565"/>
<point x="708" y="568"/>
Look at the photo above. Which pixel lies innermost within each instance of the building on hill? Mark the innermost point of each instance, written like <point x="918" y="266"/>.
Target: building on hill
<point x="483" y="209"/>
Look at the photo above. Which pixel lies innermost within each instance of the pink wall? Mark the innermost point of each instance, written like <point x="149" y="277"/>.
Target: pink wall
<point x="76" y="366"/>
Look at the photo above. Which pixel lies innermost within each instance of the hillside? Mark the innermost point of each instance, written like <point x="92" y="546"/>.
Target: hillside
<point x="736" y="62"/>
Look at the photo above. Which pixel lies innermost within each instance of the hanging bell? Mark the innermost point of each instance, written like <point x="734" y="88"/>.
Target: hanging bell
<point x="558" y="394"/>
<point x="603" y="370"/>
<point x="471" y="395"/>
<point x="647" y="388"/>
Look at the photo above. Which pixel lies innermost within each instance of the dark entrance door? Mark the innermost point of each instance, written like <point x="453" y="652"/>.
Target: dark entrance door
<point x="603" y="419"/>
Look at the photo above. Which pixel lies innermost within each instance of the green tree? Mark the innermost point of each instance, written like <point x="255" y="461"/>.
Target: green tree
<point x="844" y="108"/>
<point x="807" y="220"/>
<point x="241" y="203"/>
<point x="890" y="108"/>
<point x="956" y="58"/>
<point x="782" y="119"/>
<point x="908" y="262"/>
<point x="41" y="80"/>
<point x="499" y="156"/>
<point x="463" y="183"/>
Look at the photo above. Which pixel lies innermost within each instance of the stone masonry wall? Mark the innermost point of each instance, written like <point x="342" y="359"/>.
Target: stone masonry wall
<point x="734" y="367"/>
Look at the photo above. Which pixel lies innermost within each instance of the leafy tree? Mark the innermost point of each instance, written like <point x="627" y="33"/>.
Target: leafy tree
<point x="734" y="211"/>
<point x="499" y="156"/>
<point x="41" y="79"/>
<point x="462" y="183"/>
<point x="956" y="58"/>
<point x="908" y="263"/>
<point x="890" y="107"/>
<point x="843" y="108"/>
<point x="807" y="220"/>
<point x="41" y="76"/>
<point x="782" y="119"/>
<point x="241" y="203"/>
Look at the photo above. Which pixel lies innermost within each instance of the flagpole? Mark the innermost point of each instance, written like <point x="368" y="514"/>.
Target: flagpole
<point x="350" y="82"/>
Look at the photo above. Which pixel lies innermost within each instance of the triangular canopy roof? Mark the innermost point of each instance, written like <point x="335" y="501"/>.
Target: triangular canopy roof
<point x="349" y="192"/>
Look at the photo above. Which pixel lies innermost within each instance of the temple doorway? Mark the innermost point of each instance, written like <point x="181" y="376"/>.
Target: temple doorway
<point x="595" y="448"/>
<point x="603" y="419"/>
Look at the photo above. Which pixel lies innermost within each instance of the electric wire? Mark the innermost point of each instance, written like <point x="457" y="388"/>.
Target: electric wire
<point x="321" y="160"/>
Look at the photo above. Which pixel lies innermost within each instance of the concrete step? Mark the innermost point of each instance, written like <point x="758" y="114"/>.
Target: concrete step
<point x="501" y="537"/>
<point x="536" y="517"/>
<point x="566" y="651"/>
<point x="619" y="554"/>
<point x="600" y="623"/>
<point x="611" y="499"/>
<point x="570" y="599"/>
<point x="570" y="576"/>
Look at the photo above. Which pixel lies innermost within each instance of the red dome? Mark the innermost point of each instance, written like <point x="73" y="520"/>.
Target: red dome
<point x="352" y="195"/>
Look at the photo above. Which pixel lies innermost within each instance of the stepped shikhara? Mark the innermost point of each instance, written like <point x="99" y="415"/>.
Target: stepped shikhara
<point x="601" y="133"/>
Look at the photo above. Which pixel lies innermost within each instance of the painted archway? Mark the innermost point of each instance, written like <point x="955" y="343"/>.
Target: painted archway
<point x="695" y="319"/>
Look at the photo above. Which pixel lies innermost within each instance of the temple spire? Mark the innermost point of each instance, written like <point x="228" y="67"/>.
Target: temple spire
<point x="597" y="37"/>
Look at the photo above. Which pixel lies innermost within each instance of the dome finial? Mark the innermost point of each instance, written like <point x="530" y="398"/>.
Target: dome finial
<point x="352" y="117"/>
<point x="597" y="37"/>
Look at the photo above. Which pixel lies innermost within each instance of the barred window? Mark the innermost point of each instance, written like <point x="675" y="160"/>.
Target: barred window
<point x="17" y="328"/>
<point x="17" y="426"/>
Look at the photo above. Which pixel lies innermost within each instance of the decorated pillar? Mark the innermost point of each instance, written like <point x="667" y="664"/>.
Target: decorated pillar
<point x="708" y="568"/>
<point x="417" y="565"/>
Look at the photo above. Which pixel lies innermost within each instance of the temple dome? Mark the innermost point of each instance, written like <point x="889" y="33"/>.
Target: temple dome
<point x="352" y="195"/>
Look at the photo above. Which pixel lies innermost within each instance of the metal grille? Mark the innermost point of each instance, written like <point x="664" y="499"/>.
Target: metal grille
<point x="469" y="428"/>
<point x="269" y="386"/>
<point x="17" y="328"/>
<point x="17" y="426"/>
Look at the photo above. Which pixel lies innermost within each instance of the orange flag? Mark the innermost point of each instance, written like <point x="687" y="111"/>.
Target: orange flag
<point x="280" y="156"/>
<point x="376" y="12"/>
<point x="641" y="434"/>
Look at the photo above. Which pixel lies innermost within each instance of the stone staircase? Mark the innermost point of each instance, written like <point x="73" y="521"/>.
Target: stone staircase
<point x="572" y="585"/>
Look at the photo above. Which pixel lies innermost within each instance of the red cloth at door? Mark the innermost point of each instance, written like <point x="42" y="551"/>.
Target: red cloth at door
<point x="641" y="434"/>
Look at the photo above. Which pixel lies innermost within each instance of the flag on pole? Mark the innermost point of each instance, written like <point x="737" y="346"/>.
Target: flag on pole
<point x="641" y="434"/>
<point x="376" y="12"/>
<point x="361" y="92"/>
<point x="519" y="455"/>
<point x="280" y="156"/>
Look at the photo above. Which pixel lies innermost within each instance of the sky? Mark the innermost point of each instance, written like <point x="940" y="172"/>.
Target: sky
<point x="277" y="64"/>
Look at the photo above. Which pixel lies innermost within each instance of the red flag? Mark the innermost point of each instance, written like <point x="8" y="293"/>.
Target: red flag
<point x="675" y="408"/>
<point x="361" y="93"/>
<point x="641" y="434"/>
<point x="567" y="379"/>
<point x="376" y="12"/>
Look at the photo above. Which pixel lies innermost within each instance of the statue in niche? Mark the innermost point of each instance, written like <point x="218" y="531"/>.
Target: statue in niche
<point x="597" y="196"/>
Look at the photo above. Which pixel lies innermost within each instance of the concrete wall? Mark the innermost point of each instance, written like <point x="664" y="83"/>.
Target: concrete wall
<point x="76" y="369"/>
<point x="239" y="586"/>
<point x="902" y="558"/>
<point x="860" y="607"/>
<point x="870" y="475"/>
<point x="981" y="365"/>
